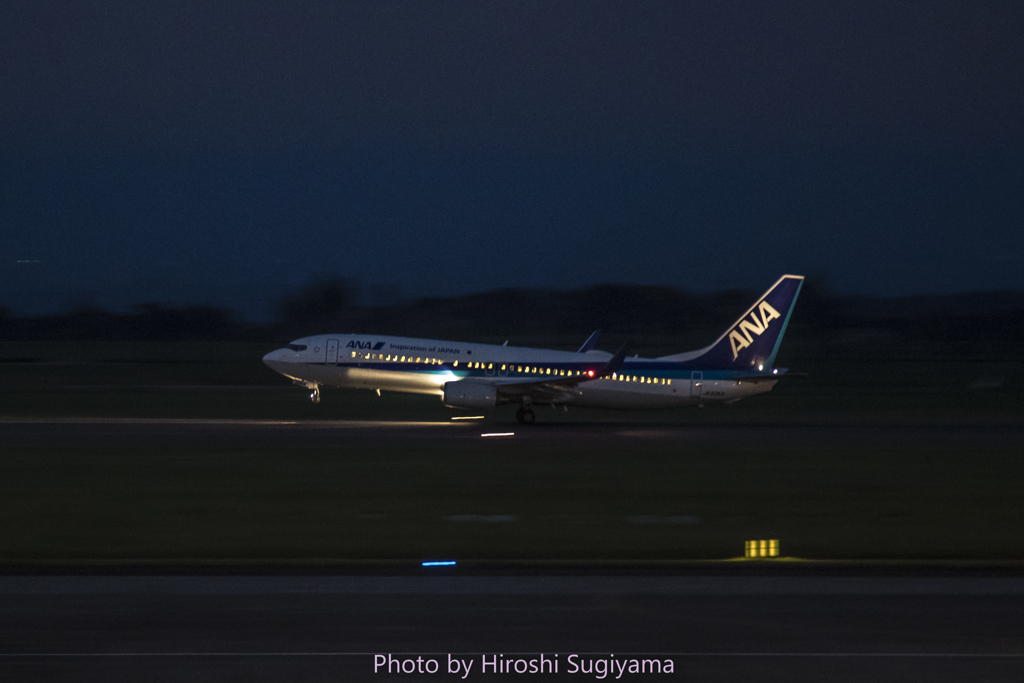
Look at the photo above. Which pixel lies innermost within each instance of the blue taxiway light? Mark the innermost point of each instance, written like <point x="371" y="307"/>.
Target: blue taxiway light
<point x="446" y="563"/>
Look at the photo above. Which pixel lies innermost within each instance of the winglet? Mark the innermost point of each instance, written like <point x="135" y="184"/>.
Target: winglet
<point x="590" y="343"/>
<point x="614" y="363"/>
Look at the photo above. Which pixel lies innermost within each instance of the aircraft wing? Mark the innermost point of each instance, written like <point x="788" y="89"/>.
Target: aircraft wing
<point x="555" y="387"/>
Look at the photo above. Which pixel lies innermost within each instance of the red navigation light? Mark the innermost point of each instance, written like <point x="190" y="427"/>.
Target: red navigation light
<point x="590" y="373"/>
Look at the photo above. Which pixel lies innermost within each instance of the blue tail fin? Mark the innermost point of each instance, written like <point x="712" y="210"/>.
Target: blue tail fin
<point x="752" y="342"/>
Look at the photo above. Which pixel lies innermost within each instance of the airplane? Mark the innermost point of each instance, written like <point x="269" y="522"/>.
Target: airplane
<point x="738" y="364"/>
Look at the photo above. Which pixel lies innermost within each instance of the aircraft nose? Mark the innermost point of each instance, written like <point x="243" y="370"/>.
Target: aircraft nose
<point x="274" y="360"/>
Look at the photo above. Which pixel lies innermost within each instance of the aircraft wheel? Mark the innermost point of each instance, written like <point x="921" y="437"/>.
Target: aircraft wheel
<point x="315" y="396"/>
<point x="525" y="416"/>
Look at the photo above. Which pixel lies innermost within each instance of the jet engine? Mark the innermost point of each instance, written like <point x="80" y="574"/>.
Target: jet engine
<point x="463" y="394"/>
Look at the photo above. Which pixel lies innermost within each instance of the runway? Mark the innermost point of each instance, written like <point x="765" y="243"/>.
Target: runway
<point x="712" y="628"/>
<point x="724" y="623"/>
<point x="315" y="433"/>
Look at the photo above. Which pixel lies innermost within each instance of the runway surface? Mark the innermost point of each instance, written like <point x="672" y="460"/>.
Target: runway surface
<point x="111" y="432"/>
<point x="712" y="628"/>
<point x="786" y="625"/>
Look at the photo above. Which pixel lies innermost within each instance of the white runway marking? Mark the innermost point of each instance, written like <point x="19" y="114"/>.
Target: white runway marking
<point x="331" y="424"/>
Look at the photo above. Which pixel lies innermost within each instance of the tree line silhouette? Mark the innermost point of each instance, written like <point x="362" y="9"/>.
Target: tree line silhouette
<point x="982" y="322"/>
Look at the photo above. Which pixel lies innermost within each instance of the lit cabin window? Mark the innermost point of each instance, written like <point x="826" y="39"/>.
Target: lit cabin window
<point x="455" y="364"/>
<point x="490" y="366"/>
<point x="670" y="381"/>
<point x="502" y="366"/>
<point x="353" y="354"/>
<point x="417" y="360"/>
<point x="403" y="359"/>
<point x="519" y="368"/>
<point x="548" y="371"/>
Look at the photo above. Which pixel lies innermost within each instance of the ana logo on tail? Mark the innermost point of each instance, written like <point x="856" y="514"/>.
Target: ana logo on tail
<point x="740" y="337"/>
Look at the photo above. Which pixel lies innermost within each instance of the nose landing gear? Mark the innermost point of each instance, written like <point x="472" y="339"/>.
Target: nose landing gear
<point x="315" y="396"/>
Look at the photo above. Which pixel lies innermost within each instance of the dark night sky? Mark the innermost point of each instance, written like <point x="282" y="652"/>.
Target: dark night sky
<point x="223" y="152"/>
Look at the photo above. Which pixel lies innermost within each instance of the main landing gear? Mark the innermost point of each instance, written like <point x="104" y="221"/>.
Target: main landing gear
<point x="525" y="415"/>
<point x="315" y="396"/>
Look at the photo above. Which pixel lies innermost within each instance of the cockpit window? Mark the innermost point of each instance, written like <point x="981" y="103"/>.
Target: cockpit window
<point x="297" y="347"/>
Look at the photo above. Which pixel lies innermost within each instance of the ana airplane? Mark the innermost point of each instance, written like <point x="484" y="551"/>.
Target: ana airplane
<point x="481" y="376"/>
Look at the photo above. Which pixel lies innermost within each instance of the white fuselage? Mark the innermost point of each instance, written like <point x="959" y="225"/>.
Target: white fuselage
<point x="424" y="366"/>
